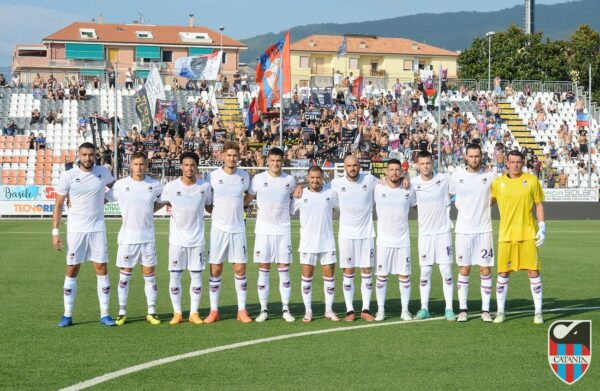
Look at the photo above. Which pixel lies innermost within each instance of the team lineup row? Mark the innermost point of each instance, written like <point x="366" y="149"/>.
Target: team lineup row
<point x="226" y="191"/>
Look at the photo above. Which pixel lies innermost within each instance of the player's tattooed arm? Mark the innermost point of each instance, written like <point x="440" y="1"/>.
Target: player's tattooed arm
<point x="297" y="191"/>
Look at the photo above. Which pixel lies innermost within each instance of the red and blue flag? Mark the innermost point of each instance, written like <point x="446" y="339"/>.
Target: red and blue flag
<point x="273" y="73"/>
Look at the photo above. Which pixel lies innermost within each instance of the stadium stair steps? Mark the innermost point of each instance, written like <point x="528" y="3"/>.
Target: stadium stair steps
<point x="519" y="130"/>
<point x="230" y="110"/>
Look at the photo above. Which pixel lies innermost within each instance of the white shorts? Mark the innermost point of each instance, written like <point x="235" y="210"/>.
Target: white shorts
<point x="435" y="249"/>
<point x="272" y="249"/>
<point x="182" y="258"/>
<point x="326" y="258"/>
<point x="393" y="260"/>
<point x="225" y="246"/>
<point x="86" y="246"/>
<point x="475" y="249"/>
<point x="128" y="255"/>
<point x="356" y="253"/>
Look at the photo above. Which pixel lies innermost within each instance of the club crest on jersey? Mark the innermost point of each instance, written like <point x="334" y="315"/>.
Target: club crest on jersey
<point x="419" y="187"/>
<point x="77" y="180"/>
<point x="265" y="184"/>
<point x="150" y="189"/>
<point x="178" y="194"/>
<point x="364" y="187"/>
<point x="438" y="183"/>
<point x="343" y="189"/>
<point x="257" y="253"/>
<point x="220" y="181"/>
<point x="461" y="181"/>
<point x="406" y="196"/>
<point x="287" y="185"/>
<point x="484" y="180"/>
<point x="305" y="200"/>
<point x="570" y="349"/>
<point x="384" y="195"/>
<point x="99" y="175"/>
<point x="525" y="182"/>
<point x="127" y="189"/>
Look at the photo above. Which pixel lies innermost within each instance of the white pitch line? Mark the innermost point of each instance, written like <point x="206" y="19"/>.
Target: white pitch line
<point x="166" y="233"/>
<point x="167" y="360"/>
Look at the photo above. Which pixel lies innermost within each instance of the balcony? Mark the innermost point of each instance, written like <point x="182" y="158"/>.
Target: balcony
<point x="140" y="65"/>
<point x="374" y="73"/>
<point x="72" y="63"/>
<point x="321" y="70"/>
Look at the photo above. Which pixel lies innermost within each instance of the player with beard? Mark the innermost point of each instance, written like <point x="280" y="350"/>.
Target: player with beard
<point x="85" y="186"/>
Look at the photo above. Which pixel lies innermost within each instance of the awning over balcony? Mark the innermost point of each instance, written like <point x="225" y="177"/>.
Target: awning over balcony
<point x="199" y="51"/>
<point x="142" y="74"/>
<point x="91" y="72"/>
<point x="147" y="52"/>
<point x="84" y="51"/>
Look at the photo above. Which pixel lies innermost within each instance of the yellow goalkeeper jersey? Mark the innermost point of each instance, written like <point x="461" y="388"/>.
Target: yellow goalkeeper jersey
<point x="515" y="198"/>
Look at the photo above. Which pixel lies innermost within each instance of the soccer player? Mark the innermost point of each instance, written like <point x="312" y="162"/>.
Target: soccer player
<point x="85" y="186"/>
<point x="317" y="244"/>
<point x="188" y="196"/>
<point x="356" y="233"/>
<point x="516" y="193"/>
<point x="273" y="242"/>
<point x="228" y="230"/>
<point x="138" y="197"/>
<point x="435" y="239"/>
<point x="392" y="203"/>
<point x="474" y="242"/>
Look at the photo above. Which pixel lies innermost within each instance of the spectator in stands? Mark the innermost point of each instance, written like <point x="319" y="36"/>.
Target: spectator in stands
<point x="60" y="93"/>
<point x="50" y="95"/>
<point x="563" y="179"/>
<point x="497" y="87"/>
<point x="111" y="78"/>
<point x="582" y="140"/>
<point x="68" y="163"/>
<point x="59" y="117"/>
<point x="569" y="97"/>
<point x="579" y="106"/>
<point x="509" y="91"/>
<point x="527" y="90"/>
<point x="2" y="81"/>
<point x="37" y="82"/>
<point x="244" y="82"/>
<point x="40" y="141"/>
<point x="82" y="126"/>
<point x="203" y="86"/>
<point x="73" y="88"/>
<point x="10" y="129"/>
<point x="225" y="87"/>
<point x="551" y="180"/>
<point x="175" y="85"/>
<point x="36" y="117"/>
<point x="32" y="141"/>
<point x="15" y="82"/>
<point x="237" y="82"/>
<point x="95" y="83"/>
<point x="128" y="79"/>
<point x="50" y="117"/>
<point x="81" y="91"/>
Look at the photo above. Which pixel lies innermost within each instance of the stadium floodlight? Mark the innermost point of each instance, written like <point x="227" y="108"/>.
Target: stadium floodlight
<point x="489" y="36"/>
<point x="221" y="28"/>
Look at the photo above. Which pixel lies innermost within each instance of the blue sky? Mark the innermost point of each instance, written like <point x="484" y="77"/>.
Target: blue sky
<point x="29" y="21"/>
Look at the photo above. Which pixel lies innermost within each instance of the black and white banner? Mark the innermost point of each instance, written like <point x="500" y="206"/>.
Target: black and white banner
<point x="96" y="133"/>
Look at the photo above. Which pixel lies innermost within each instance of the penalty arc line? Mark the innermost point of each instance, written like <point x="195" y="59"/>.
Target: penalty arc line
<point x="167" y="360"/>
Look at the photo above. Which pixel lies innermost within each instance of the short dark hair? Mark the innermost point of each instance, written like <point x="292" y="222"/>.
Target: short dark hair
<point x="426" y="154"/>
<point x="394" y="161"/>
<point x="87" y="145"/>
<point x="514" y="152"/>
<point x="275" y="152"/>
<point x="189" y="155"/>
<point x="139" y="155"/>
<point x="315" y="168"/>
<point x="473" y="146"/>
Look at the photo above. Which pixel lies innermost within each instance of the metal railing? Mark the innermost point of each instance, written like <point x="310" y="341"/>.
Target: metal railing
<point x="71" y="63"/>
<point x="558" y="86"/>
<point x="321" y="70"/>
<point x="520" y="85"/>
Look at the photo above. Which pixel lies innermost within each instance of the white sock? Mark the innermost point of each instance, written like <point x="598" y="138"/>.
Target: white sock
<point x="215" y="287"/>
<point x="151" y="291"/>
<point x="123" y="291"/>
<point x="195" y="291"/>
<point x="348" y="282"/>
<point x="263" y="288"/>
<point x="285" y="286"/>
<point x="448" y="284"/>
<point x="462" y="289"/>
<point x="307" y="293"/>
<point x="486" y="292"/>
<point x="380" y="290"/>
<point x="241" y="285"/>
<point x="501" y="292"/>
<point x="103" y="287"/>
<point x="404" y="283"/>
<point x="425" y="285"/>
<point x="69" y="290"/>
<point x="366" y="287"/>
<point x="329" y="291"/>
<point x="536" y="291"/>
<point x="175" y="290"/>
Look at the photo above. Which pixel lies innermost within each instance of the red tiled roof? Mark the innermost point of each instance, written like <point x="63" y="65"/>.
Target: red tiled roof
<point x="370" y="44"/>
<point x="126" y="33"/>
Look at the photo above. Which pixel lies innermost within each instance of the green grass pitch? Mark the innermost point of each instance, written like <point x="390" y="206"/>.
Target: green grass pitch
<point x="37" y="355"/>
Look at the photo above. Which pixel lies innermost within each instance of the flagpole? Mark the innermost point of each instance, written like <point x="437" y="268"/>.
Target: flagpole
<point x="281" y="76"/>
<point x="590" y="127"/>
<point x="115" y="130"/>
<point x="439" y="118"/>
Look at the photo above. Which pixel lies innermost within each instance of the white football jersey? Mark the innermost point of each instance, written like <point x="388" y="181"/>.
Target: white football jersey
<point x="186" y="227"/>
<point x="136" y="200"/>
<point x="356" y="206"/>
<point x="392" y="206"/>
<point x="228" y="199"/>
<point x="433" y="202"/>
<point x="273" y="199"/>
<point x="86" y="191"/>
<point x="316" y="220"/>
<point x="473" y="197"/>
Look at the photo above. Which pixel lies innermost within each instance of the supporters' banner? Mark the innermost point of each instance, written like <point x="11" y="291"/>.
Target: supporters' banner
<point x="583" y="119"/>
<point x="291" y="121"/>
<point x="256" y="146"/>
<point x="151" y="145"/>
<point x="166" y="109"/>
<point x="155" y="88"/>
<point x="365" y="164"/>
<point x="96" y="133"/>
<point x="273" y="73"/>
<point x="199" y="67"/>
<point x="357" y="87"/>
<point x="343" y="49"/>
<point x="571" y="195"/>
<point x="379" y="169"/>
<point x="321" y="98"/>
<point x="142" y="108"/>
<point x="348" y="135"/>
<point x="312" y="116"/>
<point x="252" y="117"/>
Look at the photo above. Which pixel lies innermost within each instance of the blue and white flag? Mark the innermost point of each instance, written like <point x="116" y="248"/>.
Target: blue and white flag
<point x="199" y="67"/>
<point x="343" y="47"/>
